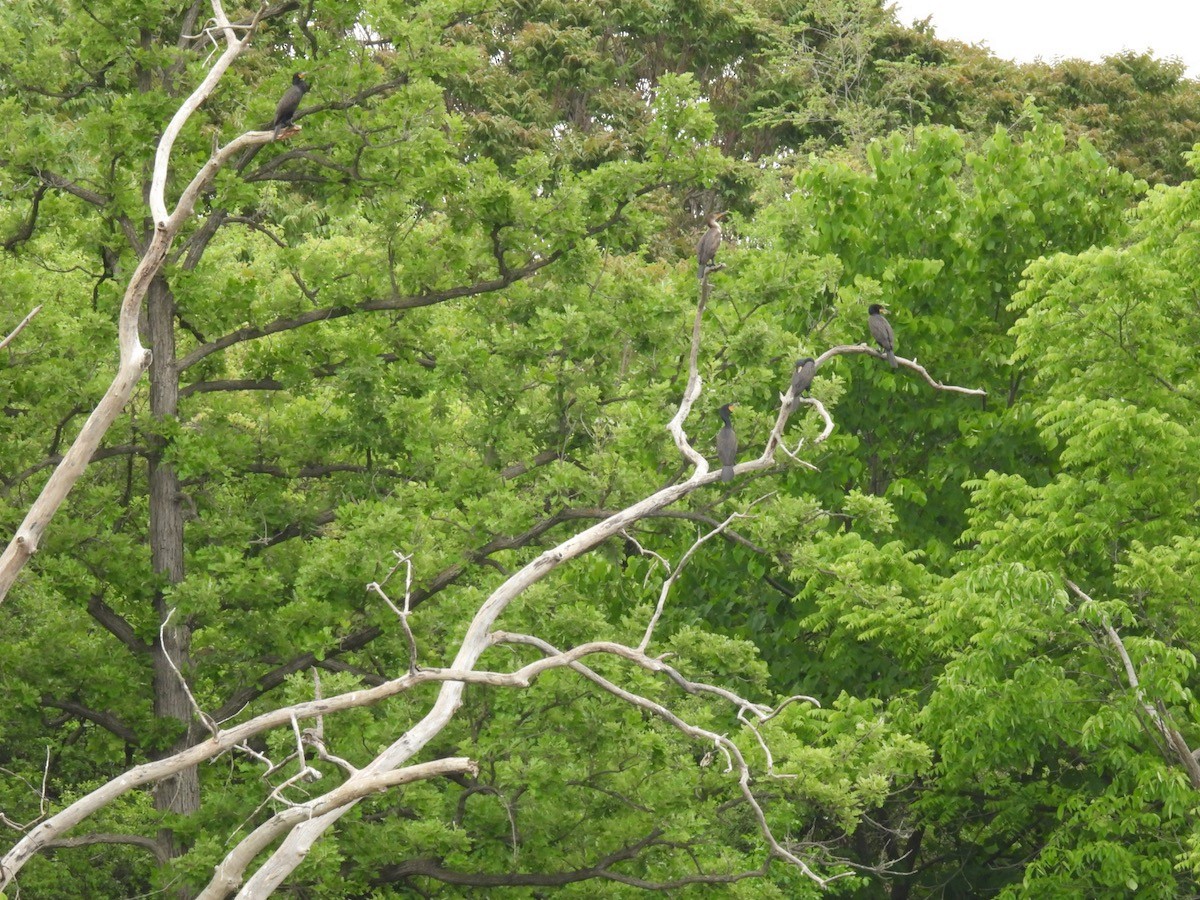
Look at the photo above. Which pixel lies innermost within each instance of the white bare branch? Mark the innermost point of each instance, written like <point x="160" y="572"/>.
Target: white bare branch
<point x="1155" y="711"/>
<point x="691" y="393"/>
<point x="200" y="714"/>
<point x="134" y="358"/>
<point x="732" y="753"/>
<point x="162" y="157"/>
<point x="819" y="439"/>
<point x="401" y="614"/>
<point x="19" y="826"/>
<point x="670" y="582"/>
<point x="845" y="349"/>
<point x="20" y="326"/>
<point x="301" y="825"/>
<point x="229" y="873"/>
<point x="645" y="552"/>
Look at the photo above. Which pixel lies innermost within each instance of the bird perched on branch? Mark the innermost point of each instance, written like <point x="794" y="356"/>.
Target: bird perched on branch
<point x="882" y="332"/>
<point x="709" y="243"/>
<point x="802" y="379"/>
<point x="726" y="443"/>
<point x="289" y="102"/>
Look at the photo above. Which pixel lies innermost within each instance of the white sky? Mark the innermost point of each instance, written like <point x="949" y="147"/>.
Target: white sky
<point x="1053" y="29"/>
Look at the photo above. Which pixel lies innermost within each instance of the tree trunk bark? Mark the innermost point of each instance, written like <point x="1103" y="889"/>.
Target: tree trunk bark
<point x="181" y="794"/>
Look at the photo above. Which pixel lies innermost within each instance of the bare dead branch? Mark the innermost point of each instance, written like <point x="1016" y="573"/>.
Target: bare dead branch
<point x="134" y="358"/>
<point x="162" y="156"/>
<point x="728" y="747"/>
<point x="20" y="325"/>
<point x="1156" y="711"/>
<point x="228" y="875"/>
<point x="204" y="717"/>
<point x="846" y="349"/>
<point x="19" y="826"/>
<point x="401" y="614"/>
<point x="680" y="566"/>
<point x="819" y="439"/>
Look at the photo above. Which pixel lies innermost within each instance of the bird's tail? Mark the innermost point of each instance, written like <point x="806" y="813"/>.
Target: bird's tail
<point x="700" y="273"/>
<point x="727" y="473"/>
<point x="892" y="359"/>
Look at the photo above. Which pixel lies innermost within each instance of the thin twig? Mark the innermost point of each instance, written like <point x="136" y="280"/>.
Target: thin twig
<point x="644" y="552"/>
<point x="201" y="714"/>
<point x="402" y="615"/>
<point x="670" y="582"/>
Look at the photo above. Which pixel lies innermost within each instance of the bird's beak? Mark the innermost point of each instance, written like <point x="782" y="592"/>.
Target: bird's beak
<point x="721" y="215"/>
<point x="303" y="74"/>
<point x="733" y="406"/>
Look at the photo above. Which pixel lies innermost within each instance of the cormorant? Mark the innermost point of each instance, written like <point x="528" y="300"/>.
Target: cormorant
<point x="882" y="332"/>
<point x="289" y="102"/>
<point x="802" y="379"/>
<point x="726" y="443"/>
<point x="706" y="249"/>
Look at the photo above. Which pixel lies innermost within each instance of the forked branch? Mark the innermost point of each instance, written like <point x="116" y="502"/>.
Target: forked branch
<point x="134" y="358"/>
<point x="301" y="825"/>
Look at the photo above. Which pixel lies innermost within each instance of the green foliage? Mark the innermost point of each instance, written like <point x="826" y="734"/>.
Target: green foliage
<point x="450" y="318"/>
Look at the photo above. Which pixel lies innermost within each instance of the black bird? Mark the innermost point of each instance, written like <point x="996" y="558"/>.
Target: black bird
<point x="709" y="243"/>
<point x="726" y="443"/>
<point x="882" y="332"/>
<point x="289" y="102"/>
<point x="802" y="379"/>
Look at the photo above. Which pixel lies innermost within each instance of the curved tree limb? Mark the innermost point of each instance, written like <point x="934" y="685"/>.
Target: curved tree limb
<point x="134" y="358"/>
<point x="105" y="720"/>
<point x="301" y="825"/>
<point x="23" y="233"/>
<point x="228" y="872"/>
<point x="135" y="840"/>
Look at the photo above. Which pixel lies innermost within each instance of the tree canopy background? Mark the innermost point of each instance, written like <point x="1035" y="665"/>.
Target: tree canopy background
<point x="451" y="317"/>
